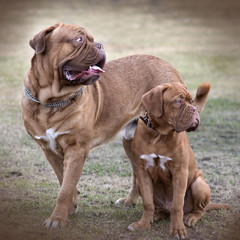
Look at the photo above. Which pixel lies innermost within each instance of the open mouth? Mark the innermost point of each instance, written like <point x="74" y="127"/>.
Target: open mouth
<point x="75" y="75"/>
<point x="72" y="75"/>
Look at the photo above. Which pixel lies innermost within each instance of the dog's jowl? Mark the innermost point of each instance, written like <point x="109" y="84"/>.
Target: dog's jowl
<point x="72" y="102"/>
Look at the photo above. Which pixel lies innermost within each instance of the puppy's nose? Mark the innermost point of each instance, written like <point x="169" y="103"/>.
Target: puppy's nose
<point x="194" y="109"/>
<point x="99" y="45"/>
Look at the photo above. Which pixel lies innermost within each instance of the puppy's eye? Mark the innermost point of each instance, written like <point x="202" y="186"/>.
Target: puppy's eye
<point x="179" y="101"/>
<point x="79" y="39"/>
<point x="192" y="101"/>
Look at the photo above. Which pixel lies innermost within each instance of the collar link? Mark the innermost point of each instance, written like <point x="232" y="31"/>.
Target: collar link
<point x="30" y="96"/>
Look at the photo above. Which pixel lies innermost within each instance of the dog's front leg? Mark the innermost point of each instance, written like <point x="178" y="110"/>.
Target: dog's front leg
<point x="74" y="158"/>
<point x="179" y="183"/>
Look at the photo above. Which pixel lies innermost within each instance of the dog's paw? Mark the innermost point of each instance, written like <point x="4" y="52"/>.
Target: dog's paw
<point x="55" y="223"/>
<point x="125" y="201"/>
<point x="191" y="219"/>
<point x="139" y="226"/>
<point x="178" y="232"/>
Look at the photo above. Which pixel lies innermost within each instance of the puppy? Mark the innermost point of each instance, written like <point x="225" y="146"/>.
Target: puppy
<point x="168" y="179"/>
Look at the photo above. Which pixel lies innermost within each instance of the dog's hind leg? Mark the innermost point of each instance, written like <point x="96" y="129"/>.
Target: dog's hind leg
<point x="133" y="195"/>
<point x="200" y="192"/>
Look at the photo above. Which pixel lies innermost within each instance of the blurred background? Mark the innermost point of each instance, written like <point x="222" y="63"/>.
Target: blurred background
<point x="204" y="32"/>
<point x="201" y="39"/>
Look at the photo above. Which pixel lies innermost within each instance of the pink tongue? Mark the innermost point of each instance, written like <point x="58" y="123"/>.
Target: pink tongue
<point x="92" y="70"/>
<point x="96" y="69"/>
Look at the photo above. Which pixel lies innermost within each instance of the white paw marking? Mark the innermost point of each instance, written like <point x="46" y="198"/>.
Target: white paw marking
<point x="118" y="202"/>
<point x="51" y="137"/>
<point x="151" y="163"/>
<point x="130" y="228"/>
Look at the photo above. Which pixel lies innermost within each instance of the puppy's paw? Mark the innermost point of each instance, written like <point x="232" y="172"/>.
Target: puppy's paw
<point x="191" y="219"/>
<point x="55" y="223"/>
<point x="139" y="226"/>
<point x="178" y="232"/>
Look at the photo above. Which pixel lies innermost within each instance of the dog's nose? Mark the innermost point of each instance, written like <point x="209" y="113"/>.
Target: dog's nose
<point x="194" y="109"/>
<point x="99" y="45"/>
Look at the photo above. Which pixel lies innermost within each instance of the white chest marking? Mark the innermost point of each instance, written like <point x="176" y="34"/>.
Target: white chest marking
<point x="151" y="163"/>
<point x="51" y="138"/>
<point x="149" y="160"/>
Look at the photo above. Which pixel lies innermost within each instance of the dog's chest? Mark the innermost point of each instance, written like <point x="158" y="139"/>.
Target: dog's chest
<point x="49" y="140"/>
<point x="157" y="167"/>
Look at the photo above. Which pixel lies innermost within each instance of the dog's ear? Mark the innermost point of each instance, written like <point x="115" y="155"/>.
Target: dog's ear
<point x="153" y="100"/>
<point x="38" y="41"/>
<point x="201" y="96"/>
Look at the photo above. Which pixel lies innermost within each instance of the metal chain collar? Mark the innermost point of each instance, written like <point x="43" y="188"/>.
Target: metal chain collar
<point x="30" y="96"/>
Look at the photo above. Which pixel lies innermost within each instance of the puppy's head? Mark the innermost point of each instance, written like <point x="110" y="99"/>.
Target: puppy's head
<point x="72" y="51"/>
<point x="171" y="104"/>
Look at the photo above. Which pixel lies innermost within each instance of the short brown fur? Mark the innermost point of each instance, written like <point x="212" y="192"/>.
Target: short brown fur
<point x="167" y="175"/>
<point x="67" y="134"/>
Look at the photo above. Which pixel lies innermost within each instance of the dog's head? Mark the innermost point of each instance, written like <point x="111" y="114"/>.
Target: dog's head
<point x="72" y="51"/>
<point x="172" y="106"/>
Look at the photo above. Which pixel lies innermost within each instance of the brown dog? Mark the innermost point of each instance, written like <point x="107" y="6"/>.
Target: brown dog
<point x="167" y="175"/>
<point x="68" y="112"/>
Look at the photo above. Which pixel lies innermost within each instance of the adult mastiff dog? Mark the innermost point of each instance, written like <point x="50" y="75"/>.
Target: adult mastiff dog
<point x="68" y="112"/>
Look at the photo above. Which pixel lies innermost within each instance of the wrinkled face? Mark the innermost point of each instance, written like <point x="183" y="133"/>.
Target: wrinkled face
<point x="178" y="109"/>
<point x="73" y="51"/>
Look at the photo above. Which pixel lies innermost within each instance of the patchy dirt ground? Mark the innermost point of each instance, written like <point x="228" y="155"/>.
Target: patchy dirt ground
<point x="201" y="39"/>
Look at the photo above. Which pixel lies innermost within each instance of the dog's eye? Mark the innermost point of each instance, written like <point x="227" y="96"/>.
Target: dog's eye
<point x="179" y="101"/>
<point x="192" y="101"/>
<point x="79" y="39"/>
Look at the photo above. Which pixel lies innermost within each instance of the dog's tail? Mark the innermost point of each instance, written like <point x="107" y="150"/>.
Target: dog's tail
<point x="202" y="96"/>
<point x="216" y="206"/>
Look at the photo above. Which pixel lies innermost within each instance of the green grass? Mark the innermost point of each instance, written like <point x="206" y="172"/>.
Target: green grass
<point x="201" y="40"/>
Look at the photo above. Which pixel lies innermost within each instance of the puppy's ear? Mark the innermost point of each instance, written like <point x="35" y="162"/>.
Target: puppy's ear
<point x="201" y="96"/>
<point x="153" y="100"/>
<point x="38" y="41"/>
